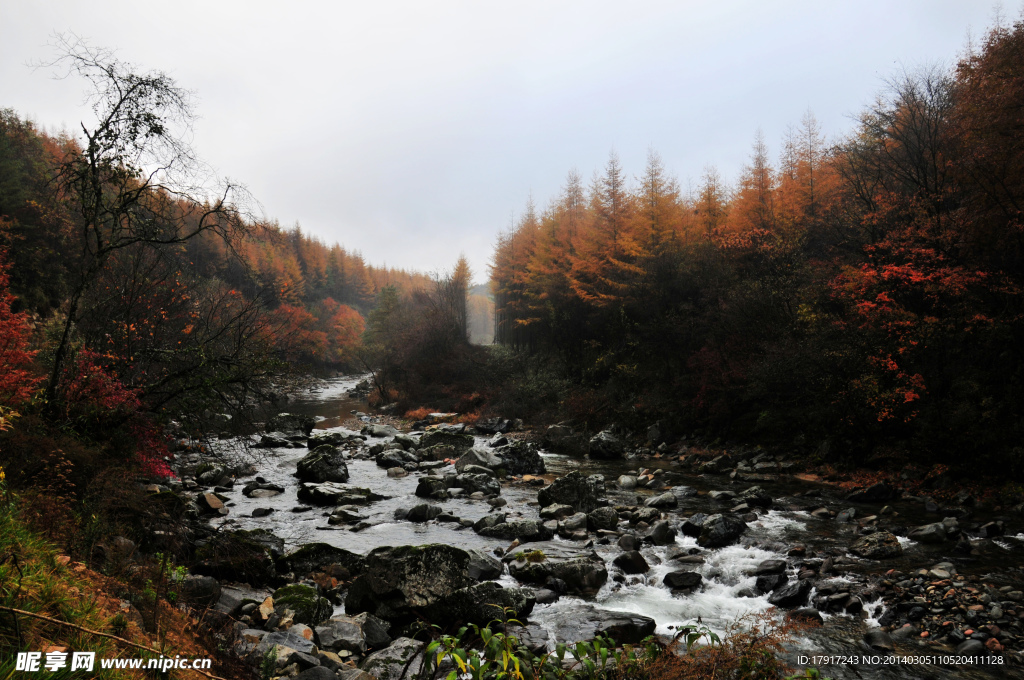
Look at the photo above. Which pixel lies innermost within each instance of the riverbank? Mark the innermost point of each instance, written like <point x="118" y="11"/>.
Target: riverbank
<point x="582" y="546"/>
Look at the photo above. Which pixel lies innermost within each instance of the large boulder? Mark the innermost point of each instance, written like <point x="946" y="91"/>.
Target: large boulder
<point x="332" y="493"/>
<point x="583" y="573"/>
<point x="877" y="546"/>
<point x="791" y="596"/>
<point x="304" y="601"/>
<point x="323" y="464"/>
<point x="682" y="579"/>
<point x="693" y="524"/>
<point x="484" y="602"/>
<point x="602" y="519"/>
<point x="377" y="430"/>
<point x="755" y="497"/>
<point x="479" y="457"/>
<point x="581" y="622"/>
<point x="404" y="583"/>
<point x="430" y="486"/>
<point x="291" y="423"/>
<point x="459" y="442"/>
<point x="573" y="489"/>
<point x="520" y="458"/>
<point x="523" y="530"/>
<point x="471" y="483"/>
<point x="662" y="501"/>
<point x="632" y="562"/>
<point x="358" y="633"/>
<point x="662" y="533"/>
<point x="605" y="444"/>
<point x="314" y="557"/>
<point x="493" y="425"/>
<point x="483" y="566"/>
<point x="200" y="590"/>
<point x="246" y="556"/>
<point x="718" y="531"/>
<point x="929" y="533"/>
<point x="402" y="659"/>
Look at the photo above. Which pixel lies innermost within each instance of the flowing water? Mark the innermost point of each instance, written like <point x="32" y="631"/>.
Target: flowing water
<point x="718" y="603"/>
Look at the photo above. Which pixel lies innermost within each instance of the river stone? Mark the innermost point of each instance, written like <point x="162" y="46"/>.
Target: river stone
<point x="604" y="444"/>
<point x="479" y="458"/>
<point x="403" y="658"/>
<point x="291" y="423"/>
<point x="406" y="441"/>
<point x="470" y="483"/>
<point x="357" y="633"/>
<point x="665" y="500"/>
<point x="971" y="648"/>
<point x="662" y="533"/>
<point x="766" y="583"/>
<point x="679" y="580"/>
<point x="574" y="490"/>
<point x="755" y="497"/>
<point x="424" y="512"/>
<point x="519" y="457"/>
<point x="482" y="566"/>
<point x="556" y="511"/>
<point x="284" y="640"/>
<point x="199" y="590"/>
<point x="632" y="562"/>
<point x="692" y="525"/>
<point x="808" y="614"/>
<point x="770" y="567"/>
<point x="628" y="542"/>
<point x="332" y="493"/>
<point x="493" y="426"/>
<point x="523" y="530"/>
<point x="304" y="600"/>
<point x="432" y="487"/>
<point x="314" y="557"/>
<point x="403" y="583"/>
<point x="877" y="546"/>
<point x="329" y="439"/>
<point x="459" y="442"/>
<point x="261" y="490"/>
<point x="323" y="464"/>
<point x="626" y="482"/>
<point x="377" y="430"/>
<point x="879" y="640"/>
<point x="603" y="519"/>
<point x="583" y="573"/>
<point x="718" y="531"/>
<point x="791" y="596"/>
<point x="484" y="602"/>
<point x="929" y="533"/>
<point x="579" y="622"/>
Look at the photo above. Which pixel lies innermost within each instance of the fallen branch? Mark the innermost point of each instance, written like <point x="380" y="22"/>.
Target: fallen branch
<point x="100" y="634"/>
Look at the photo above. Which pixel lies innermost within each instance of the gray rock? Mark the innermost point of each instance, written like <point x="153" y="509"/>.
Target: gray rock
<point x="402" y="659"/>
<point x="692" y="525"/>
<point x="682" y="579"/>
<point x="200" y="590"/>
<point x="626" y="482"/>
<point x="665" y="500"/>
<point x="929" y="533"/>
<point x="424" y="512"/>
<point x="478" y="457"/>
<point x="632" y="562"/>
<point x="332" y="493"/>
<point x="770" y="567"/>
<point x="556" y="511"/>
<point x="583" y="573"/>
<point x="718" y="531"/>
<point x="459" y="442"/>
<point x="482" y="566"/>
<point x="358" y="633"/>
<point x="291" y="423"/>
<point x="323" y="464"/>
<point x="877" y="546"/>
<point x="662" y="533"/>
<point x="525" y="530"/>
<point x="581" y="622"/>
<point x="574" y="490"/>
<point x="606" y="445"/>
<point x="791" y="596"/>
<point x="603" y="519"/>
<point x="519" y="457"/>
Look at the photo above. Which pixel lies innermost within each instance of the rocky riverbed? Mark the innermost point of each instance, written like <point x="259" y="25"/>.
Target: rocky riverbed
<point x="346" y="534"/>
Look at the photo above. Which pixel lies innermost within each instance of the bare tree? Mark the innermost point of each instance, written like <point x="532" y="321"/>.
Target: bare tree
<point x="135" y="178"/>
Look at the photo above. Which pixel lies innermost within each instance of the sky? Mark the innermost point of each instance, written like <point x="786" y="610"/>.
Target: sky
<point x="413" y="131"/>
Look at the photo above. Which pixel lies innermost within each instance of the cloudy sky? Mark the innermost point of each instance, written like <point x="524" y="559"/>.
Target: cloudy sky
<point x="412" y="130"/>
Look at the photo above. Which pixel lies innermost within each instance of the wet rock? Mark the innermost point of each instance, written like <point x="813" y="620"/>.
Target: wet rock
<point x="879" y="641"/>
<point x="459" y="442"/>
<point x="291" y="423"/>
<point x="693" y="524"/>
<point x="314" y="557"/>
<point x="305" y="601"/>
<point x="323" y="464"/>
<point x="472" y="483"/>
<point x="209" y="503"/>
<point x="332" y="493"/>
<point x="626" y="482"/>
<point x="877" y="546"/>
<point x="574" y="490"/>
<point x="767" y="583"/>
<point x="478" y="457"/>
<point x="493" y="425"/>
<point x="632" y="562"/>
<point x="755" y="497"/>
<point x="403" y="658"/>
<point x="403" y="583"/>
<point x="770" y="567"/>
<point x="603" y="519"/>
<point x="581" y="573"/>
<point x="556" y="511"/>
<point x="846" y="515"/>
<point x="606" y="445"/>
<point x="358" y="633"/>
<point x="808" y="614"/>
<point x="285" y="644"/>
<point x="971" y="648"/>
<point x="682" y="579"/>
<point x="628" y="542"/>
<point x="524" y="530"/>
<point x="663" y="501"/>
<point x="377" y="430"/>
<point x="482" y="566"/>
<point x="329" y="439"/>
<point x="424" y="512"/>
<point x="662" y="533"/>
<point x="519" y="457"/>
<point x="790" y="596"/>
<point x="262" y="512"/>
<point x="718" y="531"/>
<point x="432" y="487"/>
<point x="586" y="621"/>
<point x="261" y="490"/>
<point x="928" y="533"/>
<point x="481" y="603"/>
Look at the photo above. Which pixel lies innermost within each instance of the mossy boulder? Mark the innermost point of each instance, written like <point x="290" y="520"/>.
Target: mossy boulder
<point x="325" y="463"/>
<point x="305" y="601"/>
<point x="460" y="443"/>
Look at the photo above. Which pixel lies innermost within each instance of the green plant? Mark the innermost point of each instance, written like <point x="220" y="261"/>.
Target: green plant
<point x="268" y="664"/>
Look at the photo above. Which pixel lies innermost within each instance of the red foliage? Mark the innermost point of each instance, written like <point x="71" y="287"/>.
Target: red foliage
<point x="16" y="380"/>
<point x="91" y="393"/>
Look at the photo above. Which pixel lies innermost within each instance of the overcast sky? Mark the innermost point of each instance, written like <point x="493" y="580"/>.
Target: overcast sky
<point x="412" y="130"/>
